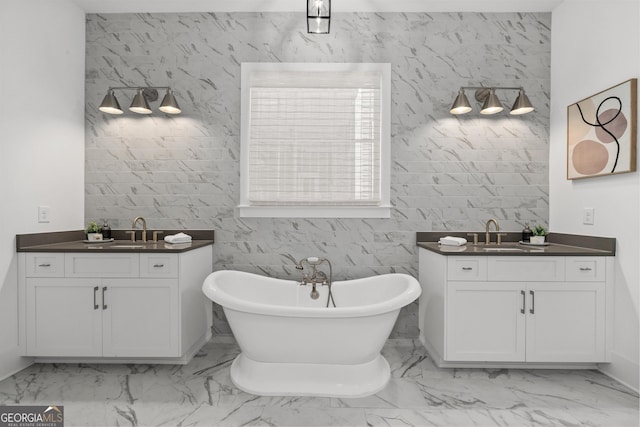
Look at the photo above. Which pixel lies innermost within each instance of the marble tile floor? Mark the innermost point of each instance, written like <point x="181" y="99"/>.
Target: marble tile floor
<point x="419" y="394"/>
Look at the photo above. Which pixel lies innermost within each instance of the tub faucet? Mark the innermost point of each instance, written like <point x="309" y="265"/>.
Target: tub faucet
<point x="487" y="236"/>
<point x="144" y="228"/>
<point x="318" y="277"/>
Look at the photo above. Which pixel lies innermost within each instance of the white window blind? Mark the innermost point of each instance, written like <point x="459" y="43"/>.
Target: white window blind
<point x="314" y="138"/>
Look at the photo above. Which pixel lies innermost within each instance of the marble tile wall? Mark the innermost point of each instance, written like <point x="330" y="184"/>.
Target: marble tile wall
<point x="447" y="172"/>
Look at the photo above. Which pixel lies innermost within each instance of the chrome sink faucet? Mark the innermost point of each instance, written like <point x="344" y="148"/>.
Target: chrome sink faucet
<point x="487" y="235"/>
<point x="144" y="228"/>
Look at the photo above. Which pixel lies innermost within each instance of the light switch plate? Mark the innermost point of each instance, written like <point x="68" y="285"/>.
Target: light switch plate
<point x="588" y="216"/>
<point x="44" y="213"/>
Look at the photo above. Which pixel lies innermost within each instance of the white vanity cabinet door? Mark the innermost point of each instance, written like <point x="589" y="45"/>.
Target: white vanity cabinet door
<point x="141" y="318"/>
<point x="553" y="322"/>
<point x="63" y="317"/>
<point x="566" y="322"/>
<point x="484" y="322"/>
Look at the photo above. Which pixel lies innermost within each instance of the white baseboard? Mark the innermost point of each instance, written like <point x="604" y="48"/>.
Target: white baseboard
<point x="623" y="370"/>
<point x="12" y="361"/>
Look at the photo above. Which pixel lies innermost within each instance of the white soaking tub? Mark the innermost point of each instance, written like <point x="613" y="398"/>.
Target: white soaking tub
<point x="294" y="345"/>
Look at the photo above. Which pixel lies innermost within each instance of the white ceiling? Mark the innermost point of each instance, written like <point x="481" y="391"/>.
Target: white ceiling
<point x="159" y="6"/>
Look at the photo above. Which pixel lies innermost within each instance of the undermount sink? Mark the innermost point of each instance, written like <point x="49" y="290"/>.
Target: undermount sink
<point x="503" y="249"/>
<point x="117" y="246"/>
<point x="123" y="244"/>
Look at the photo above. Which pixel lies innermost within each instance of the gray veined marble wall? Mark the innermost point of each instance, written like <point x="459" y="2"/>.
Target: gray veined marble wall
<point x="447" y="172"/>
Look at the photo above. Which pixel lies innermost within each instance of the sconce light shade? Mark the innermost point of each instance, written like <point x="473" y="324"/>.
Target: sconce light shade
<point x="139" y="104"/>
<point x="522" y="104"/>
<point x="169" y="104"/>
<point x="461" y="104"/>
<point x="491" y="104"/>
<point x="110" y="104"/>
<point x="318" y="16"/>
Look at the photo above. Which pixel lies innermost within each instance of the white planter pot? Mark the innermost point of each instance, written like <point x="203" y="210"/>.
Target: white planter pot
<point x="94" y="236"/>
<point x="537" y="240"/>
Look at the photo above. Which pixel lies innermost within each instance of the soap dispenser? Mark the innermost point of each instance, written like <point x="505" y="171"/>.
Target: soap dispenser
<point x="106" y="231"/>
<point x="526" y="233"/>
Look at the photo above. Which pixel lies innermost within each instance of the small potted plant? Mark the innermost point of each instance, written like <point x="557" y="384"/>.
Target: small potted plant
<point x="538" y="235"/>
<point x="93" y="231"/>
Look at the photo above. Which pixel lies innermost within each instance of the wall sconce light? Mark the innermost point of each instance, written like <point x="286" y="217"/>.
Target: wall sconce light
<point x="490" y="102"/>
<point x="318" y="16"/>
<point x="140" y="103"/>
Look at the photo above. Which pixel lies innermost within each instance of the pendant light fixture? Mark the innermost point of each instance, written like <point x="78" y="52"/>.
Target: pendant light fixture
<point x="110" y="104"/>
<point x="461" y="104"/>
<point x="169" y="104"/>
<point x="318" y="16"/>
<point x="490" y="102"/>
<point x="140" y="103"/>
<point x="522" y="104"/>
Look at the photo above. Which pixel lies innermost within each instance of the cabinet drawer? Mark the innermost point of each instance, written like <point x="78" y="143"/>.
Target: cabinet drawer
<point x="585" y="269"/>
<point x="160" y="265"/>
<point x="45" y="264"/>
<point x="467" y="268"/>
<point x="102" y="265"/>
<point x="526" y="269"/>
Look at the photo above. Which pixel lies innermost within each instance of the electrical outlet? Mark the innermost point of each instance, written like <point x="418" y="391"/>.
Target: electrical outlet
<point x="44" y="213"/>
<point x="588" y="216"/>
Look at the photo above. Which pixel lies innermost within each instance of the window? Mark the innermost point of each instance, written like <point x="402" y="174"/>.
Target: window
<point x="315" y="140"/>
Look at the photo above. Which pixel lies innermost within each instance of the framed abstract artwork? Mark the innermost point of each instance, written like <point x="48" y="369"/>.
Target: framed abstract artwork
<point x="602" y="132"/>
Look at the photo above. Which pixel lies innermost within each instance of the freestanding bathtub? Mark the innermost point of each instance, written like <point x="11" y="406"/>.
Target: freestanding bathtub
<point x="294" y="345"/>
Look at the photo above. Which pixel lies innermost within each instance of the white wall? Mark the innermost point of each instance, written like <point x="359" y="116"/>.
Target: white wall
<point x="596" y="45"/>
<point x="41" y="138"/>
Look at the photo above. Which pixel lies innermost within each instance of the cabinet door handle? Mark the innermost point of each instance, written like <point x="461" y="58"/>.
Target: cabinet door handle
<point x="533" y="302"/>
<point x="44" y="265"/>
<point x="467" y="268"/>
<point x="524" y="297"/>
<point x="104" y="291"/>
<point x="95" y="303"/>
<point x="585" y="268"/>
<point x="158" y="265"/>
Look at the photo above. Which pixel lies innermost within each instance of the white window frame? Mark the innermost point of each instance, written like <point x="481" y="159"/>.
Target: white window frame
<point x="381" y="210"/>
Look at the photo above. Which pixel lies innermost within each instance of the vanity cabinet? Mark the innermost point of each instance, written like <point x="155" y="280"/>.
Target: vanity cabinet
<point x="477" y="310"/>
<point x="116" y="305"/>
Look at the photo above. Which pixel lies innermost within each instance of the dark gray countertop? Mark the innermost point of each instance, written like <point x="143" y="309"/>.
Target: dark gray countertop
<point x="558" y="245"/>
<point x="72" y="241"/>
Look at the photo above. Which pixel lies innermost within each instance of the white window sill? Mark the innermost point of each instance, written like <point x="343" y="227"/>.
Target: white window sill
<point x="246" y="211"/>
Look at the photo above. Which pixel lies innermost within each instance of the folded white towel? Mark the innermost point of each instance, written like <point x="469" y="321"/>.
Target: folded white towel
<point x="452" y="241"/>
<point x="177" y="238"/>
